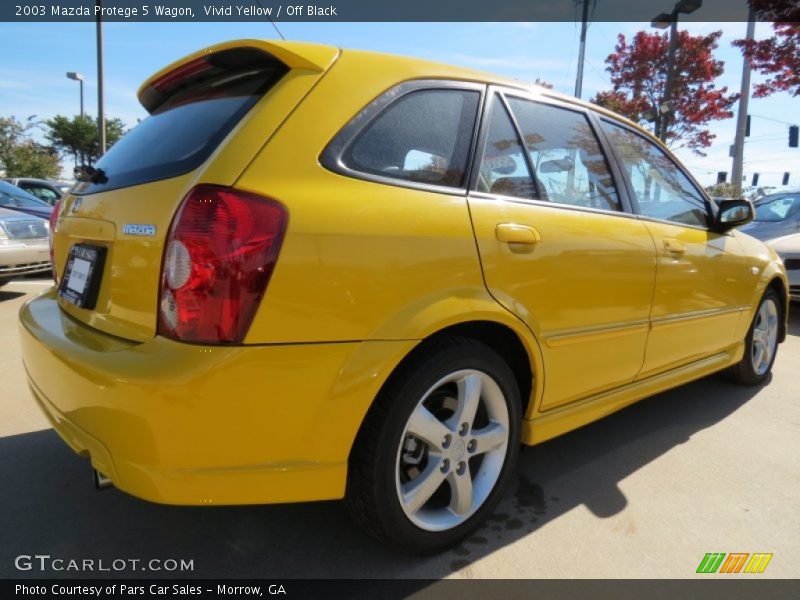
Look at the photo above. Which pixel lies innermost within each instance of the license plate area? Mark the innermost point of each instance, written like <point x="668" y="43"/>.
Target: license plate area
<point x="81" y="282"/>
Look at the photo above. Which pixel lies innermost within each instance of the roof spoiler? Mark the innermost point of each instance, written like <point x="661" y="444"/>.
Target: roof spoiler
<point x="294" y="55"/>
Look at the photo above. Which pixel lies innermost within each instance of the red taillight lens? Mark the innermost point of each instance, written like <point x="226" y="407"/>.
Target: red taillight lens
<point x="51" y="233"/>
<point x="218" y="259"/>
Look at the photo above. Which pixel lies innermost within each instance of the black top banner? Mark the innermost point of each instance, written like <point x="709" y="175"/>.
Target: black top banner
<point x="397" y="10"/>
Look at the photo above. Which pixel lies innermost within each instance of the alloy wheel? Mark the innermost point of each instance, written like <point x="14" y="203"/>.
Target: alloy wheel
<point x="452" y="450"/>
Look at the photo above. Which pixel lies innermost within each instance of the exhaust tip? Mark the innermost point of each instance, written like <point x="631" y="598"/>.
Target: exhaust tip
<point x="101" y="482"/>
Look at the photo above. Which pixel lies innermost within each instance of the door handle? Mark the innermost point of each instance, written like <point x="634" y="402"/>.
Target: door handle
<point x="511" y="233"/>
<point x="674" y="246"/>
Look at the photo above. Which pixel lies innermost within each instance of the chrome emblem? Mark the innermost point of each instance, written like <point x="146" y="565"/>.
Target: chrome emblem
<point x="137" y="229"/>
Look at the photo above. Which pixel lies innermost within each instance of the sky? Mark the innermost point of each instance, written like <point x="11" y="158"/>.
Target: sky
<point x="37" y="56"/>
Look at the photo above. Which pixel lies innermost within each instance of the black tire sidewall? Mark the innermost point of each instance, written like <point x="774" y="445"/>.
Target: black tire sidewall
<point x="468" y="356"/>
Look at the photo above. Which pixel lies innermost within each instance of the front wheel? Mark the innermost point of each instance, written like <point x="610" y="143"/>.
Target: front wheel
<point x="761" y="343"/>
<point x="437" y="448"/>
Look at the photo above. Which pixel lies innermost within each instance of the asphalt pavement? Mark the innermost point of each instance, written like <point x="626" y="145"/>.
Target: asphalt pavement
<point x="644" y="493"/>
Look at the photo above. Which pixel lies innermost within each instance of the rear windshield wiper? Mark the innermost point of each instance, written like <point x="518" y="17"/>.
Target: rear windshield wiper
<point x="90" y="174"/>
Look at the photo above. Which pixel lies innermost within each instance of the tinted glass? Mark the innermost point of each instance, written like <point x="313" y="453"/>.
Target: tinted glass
<point x="44" y="194"/>
<point x="569" y="166"/>
<point x="184" y="130"/>
<point x="777" y="209"/>
<point x="423" y="137"/>
<point x="14" y="197"/>
<point x="661" y="188"/>
<point x="503" y="168"/>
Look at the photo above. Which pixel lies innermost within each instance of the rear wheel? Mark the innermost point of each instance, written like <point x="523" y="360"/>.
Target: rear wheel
<point x="761" y="343"/>
<point x="437" y="448"/>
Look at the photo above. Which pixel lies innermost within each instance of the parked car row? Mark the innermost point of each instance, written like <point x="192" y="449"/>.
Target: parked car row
<point x="47" y="190"/>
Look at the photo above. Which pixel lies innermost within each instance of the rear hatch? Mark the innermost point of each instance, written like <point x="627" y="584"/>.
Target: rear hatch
<point x="209" y="114"/>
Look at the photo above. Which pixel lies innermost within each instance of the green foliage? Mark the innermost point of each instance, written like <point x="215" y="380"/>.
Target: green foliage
<point x="20" y="156"/>
<point x="723" y="190"/>
<point x="78" y="136"/>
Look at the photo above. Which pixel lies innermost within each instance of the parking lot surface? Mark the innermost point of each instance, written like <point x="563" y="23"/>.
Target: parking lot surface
<point x="647" y="492"/>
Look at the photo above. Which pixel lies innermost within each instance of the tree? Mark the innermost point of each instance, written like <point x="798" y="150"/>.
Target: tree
<point x="78" y="137"/>
<point x="638" y="75"/>
<point x="20" y="156"/>
<point x="777" y="57"/>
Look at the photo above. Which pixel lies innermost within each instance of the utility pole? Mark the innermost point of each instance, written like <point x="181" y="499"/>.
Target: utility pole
<point x="101" y="116"/>
<point x="741" y="118"/>
<point x="582" y="51"/>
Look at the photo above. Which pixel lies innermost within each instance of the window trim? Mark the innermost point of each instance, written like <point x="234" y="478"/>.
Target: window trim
<point x="626" y="208"/>
<point x="711" y="207"/>
<point x="331" y="157"/>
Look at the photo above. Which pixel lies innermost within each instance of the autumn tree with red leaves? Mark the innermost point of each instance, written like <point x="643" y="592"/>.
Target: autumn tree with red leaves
<point x="639" y="72"/>
<point x="777" y="57"/>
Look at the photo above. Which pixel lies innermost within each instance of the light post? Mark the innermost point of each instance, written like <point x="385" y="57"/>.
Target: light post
<point x="101" y="115"/>
<point x="663" y="21"/>
<point x="79" y="78"/>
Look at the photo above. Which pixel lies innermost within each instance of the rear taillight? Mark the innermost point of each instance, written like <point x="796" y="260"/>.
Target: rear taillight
<point x="218" y="259"/>
<point x="51" y="233"/>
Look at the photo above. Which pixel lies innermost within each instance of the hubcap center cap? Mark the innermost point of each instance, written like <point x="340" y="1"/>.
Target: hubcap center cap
<point x="459" y="450"/>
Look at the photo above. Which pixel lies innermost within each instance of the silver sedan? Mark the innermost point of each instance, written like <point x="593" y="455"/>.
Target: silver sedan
<point x="24" y="246"/>
<point x="788" y="247"/>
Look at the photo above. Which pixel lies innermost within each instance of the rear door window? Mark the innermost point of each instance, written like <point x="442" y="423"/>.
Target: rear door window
<point x="423" y="137"/>
<point x="192" y="110"/>
<point x="504" y="170"/>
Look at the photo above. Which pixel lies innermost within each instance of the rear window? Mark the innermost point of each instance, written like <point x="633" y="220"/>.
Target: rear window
<point x="192" y="109"/>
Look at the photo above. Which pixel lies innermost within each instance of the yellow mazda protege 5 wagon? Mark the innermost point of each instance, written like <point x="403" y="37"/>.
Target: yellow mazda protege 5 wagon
<point x="313" y="274"/>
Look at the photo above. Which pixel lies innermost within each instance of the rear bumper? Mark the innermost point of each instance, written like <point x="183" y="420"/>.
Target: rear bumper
<point x="183" y="424"/>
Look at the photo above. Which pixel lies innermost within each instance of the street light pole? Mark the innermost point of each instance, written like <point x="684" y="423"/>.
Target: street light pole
<point x="79" y="78"/>
<point x="582" y="50"/>
<point x="101" y="117"/>
<point x="662" y="21"/>
<point x="741" y="118"/>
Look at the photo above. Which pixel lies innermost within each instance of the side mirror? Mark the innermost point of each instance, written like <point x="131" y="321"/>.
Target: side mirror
<point x="733" y="213"/>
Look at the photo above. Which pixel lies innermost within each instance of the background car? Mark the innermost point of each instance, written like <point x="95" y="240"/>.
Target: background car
<point x="24" y="246"/>
<point x="14" y="198"/>
<point x="788" y="247"/>
<point x="47" y="190"/>
<point x="777" y="215"/>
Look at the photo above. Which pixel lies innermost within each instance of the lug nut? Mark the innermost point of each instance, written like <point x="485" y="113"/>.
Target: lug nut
<point x="462" y="431"/>
<point x="445" y="466"/>
<point x="446" y="441"/>
<point x="472" y="446"/>
<point x="461" y="468"/>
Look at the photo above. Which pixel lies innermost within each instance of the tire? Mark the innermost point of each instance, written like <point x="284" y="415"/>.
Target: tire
<point x="761" y="343"/>
<point x="414" y="432"/>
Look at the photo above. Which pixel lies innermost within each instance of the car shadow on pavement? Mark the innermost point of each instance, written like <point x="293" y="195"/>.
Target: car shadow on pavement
<point x="7" y="295"/>
<point x="49" y="506"/>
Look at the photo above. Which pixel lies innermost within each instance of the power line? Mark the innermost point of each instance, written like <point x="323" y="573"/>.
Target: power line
<point x="771" y="119"/>
<point x="270" y="20"/>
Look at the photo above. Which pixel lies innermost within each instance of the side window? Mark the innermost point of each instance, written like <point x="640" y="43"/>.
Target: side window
<point x="570" y="167"/>
<point x="503" y="168"/>
<point x="661" y="188"/>
<point x="423" y="137"/>
<point x="43" y="193"/>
